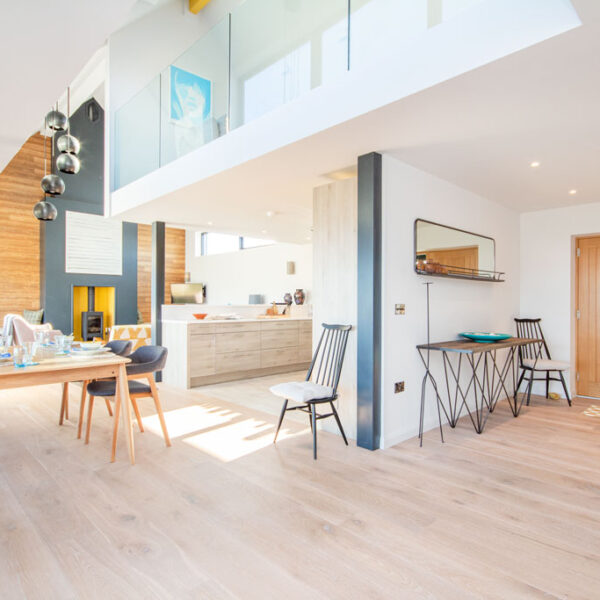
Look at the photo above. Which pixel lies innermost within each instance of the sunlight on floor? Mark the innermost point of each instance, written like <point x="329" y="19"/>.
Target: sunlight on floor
<point x="592" y="411"/>
<point x="219" y="432"/>
<point x="190" y="419"/>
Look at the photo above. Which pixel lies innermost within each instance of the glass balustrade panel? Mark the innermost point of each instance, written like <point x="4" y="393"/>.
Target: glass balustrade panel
<point x="282" y="49"/>
<point x="137" y="135"/>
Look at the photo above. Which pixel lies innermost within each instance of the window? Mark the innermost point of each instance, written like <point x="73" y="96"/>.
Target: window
<point x="249" y="242"/>
<point x="209" y="243"/>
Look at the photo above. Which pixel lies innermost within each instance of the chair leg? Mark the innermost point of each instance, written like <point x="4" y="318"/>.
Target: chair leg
<point x="108" y="406"/>
<point x="161" y="416"/>
<point x="530" y="387"/>
<point x="89" y="419"/>
<point x="113" y="450"/>
<point x="82" y="409"/>
<point x="313" y="414"/>
<point x="520" y="381"/>
<point x="547" y="384"/>
<point x="564" y="384"/>
<point x="281" y="415"/>
<point x="138" y="416"/>
<point x="337" y="418"/>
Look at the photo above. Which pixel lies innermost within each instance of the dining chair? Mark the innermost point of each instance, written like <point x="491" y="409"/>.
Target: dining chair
<point x="145" y="361"/>
<point x="321" y="383"/>
<point x="118" y="347"/>
<point x="536" y="359"/>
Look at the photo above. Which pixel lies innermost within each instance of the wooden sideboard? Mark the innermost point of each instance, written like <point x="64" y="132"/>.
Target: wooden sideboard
<point x="204" y="352"/>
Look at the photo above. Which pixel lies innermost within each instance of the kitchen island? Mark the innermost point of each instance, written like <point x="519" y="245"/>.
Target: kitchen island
<point x="214" y="351"/>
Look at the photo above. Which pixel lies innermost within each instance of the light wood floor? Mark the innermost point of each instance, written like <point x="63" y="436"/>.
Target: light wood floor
<point x="224" y="513"/>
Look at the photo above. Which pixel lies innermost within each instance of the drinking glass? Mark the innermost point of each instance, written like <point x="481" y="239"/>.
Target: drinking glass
<point x="19" y="356"/>
<point x="60" y="341"/>
<point x="29" y="350"/>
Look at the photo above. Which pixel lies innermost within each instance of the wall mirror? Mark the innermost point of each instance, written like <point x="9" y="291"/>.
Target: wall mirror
<point x="450" y="252"/>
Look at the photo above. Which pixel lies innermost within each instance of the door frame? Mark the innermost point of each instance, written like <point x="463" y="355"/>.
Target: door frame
<point x="574" y="306"/>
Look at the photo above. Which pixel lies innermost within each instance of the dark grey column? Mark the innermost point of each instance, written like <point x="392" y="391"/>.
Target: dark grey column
<point x="158" y="280"/>
<point x="369" y="302"/>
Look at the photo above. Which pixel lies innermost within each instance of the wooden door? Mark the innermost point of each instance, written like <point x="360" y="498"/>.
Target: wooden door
<point x="588" y="316"/>
<point x="463" y="257"/>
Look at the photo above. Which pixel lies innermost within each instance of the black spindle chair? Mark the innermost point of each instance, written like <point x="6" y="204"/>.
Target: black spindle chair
<point x="535" y="358"/>
<point x="321" y="383"/>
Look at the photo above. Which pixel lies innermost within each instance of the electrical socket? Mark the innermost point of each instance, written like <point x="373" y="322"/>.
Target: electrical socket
<point x="398" y="387"/>
<point x="400" y="309"/>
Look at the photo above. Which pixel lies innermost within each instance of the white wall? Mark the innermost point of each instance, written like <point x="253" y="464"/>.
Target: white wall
<point x="456" y="305"/>
<point x="547" y="273"/>
<point x="230" y="278"/>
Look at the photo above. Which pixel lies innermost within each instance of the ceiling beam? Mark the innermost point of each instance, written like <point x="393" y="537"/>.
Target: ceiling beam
<point x="197" y="5"/>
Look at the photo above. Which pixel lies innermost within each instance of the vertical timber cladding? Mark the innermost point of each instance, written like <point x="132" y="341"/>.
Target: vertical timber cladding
<point x="369" y="301"/>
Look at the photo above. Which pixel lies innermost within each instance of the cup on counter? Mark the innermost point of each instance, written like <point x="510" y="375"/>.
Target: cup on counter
<point x="30" y="349"/>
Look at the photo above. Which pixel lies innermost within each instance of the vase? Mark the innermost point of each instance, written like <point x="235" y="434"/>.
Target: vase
<point x="299" y="296"/>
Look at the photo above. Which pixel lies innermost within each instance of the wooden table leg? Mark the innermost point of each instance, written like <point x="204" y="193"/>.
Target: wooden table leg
<point x="64" y="405"/>
<point x="125" y="405"/>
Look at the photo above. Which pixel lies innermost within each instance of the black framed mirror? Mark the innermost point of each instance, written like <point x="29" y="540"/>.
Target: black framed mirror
<point x="446" y="251"/>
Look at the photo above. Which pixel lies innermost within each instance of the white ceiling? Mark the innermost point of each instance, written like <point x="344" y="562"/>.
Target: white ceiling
<point x="44" y="45"/>
<point x="480" y="131"/>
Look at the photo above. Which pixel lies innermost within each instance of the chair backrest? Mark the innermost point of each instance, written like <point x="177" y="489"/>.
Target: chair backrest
<point x="531" y="328"/>
<point x="328" y="360"/>
<point x="120" y="347"/>
<point x="147" y="359"/>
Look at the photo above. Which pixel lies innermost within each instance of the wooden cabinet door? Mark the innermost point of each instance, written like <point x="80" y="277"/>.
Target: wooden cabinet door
<point x="588" y="323"/>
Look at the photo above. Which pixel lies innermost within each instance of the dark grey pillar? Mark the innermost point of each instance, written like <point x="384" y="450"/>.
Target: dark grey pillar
<point x="369" y="302"/>
<point x="158" y="282"/>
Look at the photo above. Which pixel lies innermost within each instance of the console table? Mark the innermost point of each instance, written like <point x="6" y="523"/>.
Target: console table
<point x="487" y="377"/>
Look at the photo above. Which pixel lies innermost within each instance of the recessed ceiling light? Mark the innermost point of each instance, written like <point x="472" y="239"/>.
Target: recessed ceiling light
<point x="264" y="231"/>
<point x="308" y="238"/>
<point x="535" y="164"/>
<point x="572" y="192"/>
<point x="270" y="213"/>
<point x="210" y="223"/>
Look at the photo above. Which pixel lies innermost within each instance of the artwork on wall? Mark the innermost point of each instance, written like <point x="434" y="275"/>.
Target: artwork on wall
<point x="190" y="103"/>
<point x="190" y="108"/>
<point x="93" y="244"/>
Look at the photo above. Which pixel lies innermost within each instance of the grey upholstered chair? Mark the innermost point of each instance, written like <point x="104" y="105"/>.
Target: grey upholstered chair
<point x="321" y="383"/>
<point x="145" y="361"/>
<point x="118" y="347"/>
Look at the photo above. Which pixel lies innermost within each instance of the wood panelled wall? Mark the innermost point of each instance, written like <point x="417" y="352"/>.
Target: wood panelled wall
<point x="19" y="229"/>
<point x="174" y="261"/>
<point x="335" y="282"/>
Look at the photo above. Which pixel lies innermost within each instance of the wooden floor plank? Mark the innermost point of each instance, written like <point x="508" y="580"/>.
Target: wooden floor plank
<point x="226" y="514"/>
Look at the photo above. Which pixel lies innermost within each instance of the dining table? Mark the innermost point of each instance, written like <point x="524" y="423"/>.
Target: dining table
<point x="66" y="369"/>
<point x="477" y="369"/>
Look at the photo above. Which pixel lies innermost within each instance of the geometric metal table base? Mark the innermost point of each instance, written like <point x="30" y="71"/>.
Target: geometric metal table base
<point x="489" y="380"/>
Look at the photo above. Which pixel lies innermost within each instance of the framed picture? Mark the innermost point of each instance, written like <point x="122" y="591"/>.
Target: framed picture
<point x="190" y="98"/>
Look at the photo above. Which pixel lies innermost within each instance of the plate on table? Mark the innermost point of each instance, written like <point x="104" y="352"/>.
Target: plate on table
<point x="485" y="337"/>
<point x="91" y="355"/>
<point x="90" y="351"/>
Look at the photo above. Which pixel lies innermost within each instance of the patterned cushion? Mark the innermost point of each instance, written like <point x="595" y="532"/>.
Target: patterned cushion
<point x="34" y="316"/>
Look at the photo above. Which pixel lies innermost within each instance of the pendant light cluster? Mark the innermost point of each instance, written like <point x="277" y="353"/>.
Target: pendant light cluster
<point x="67" y="161"/>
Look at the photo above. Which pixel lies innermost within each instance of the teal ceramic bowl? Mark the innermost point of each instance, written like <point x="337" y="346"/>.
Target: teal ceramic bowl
<point x="485" y="338"/>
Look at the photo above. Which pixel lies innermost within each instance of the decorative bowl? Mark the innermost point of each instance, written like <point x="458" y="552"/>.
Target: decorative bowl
<point x="200" y="316"/>
<point x="485" y="337"/>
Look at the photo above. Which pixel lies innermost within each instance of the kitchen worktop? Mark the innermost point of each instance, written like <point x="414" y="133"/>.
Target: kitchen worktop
<point x="254" y="320"/>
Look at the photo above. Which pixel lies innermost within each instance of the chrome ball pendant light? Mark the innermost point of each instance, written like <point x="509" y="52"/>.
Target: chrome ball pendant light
<point x="69" y="146"/>
<point x="68" y="143"/>
<point x="53" y="185"/>
<point x="56" y="120"/>
<point x="44" y="210"/>
<point x="68" y="163"/>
